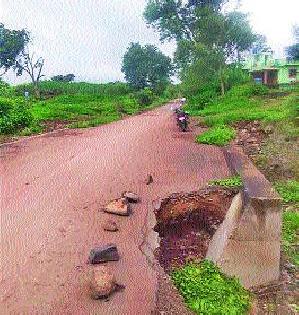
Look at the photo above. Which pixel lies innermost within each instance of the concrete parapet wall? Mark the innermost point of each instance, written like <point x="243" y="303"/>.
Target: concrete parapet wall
<point x="247" y="244"/>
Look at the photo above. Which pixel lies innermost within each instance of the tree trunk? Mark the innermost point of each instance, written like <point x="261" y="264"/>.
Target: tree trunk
<point x="36" y="90"/>
<point x="222" y="86"/>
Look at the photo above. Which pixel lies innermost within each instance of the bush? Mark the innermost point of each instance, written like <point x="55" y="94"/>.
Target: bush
<point x="236" y="76"/>
<point x="144" y="97"/>
<point x="13" y="116"/>
<point x="207" y="291"/>
<point x="248" y="90"/>
<point x="172" y="91"/>
<point x="5" y="89"/>
<point x="219" y="135"/>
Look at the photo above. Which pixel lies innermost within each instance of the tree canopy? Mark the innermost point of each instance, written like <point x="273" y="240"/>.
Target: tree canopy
<point x="64" y="78"/>
<point x="175" y="19"/>
<point x="293" y="50"/>
<point x="208" y="39"/>
<point x="12" y="43"/>
<point x="146" y="66"/>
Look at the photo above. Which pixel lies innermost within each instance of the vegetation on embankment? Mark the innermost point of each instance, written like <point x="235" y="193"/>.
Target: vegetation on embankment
<point x="206" y="290"/>
<point x="245" y="102"/>
<point x="72" y="105"/>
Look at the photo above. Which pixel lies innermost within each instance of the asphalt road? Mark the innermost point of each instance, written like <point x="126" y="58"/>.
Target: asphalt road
<point x="52" y="190"/>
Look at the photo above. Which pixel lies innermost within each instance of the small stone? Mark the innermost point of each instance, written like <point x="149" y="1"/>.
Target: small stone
<point x="110" y="226"/>
<point x="103" y="283"/>
<point x="149" y="179"/>
<point x="130" y="196"/>
<point x="118" y="206"/>
<point x="103" y="254"/>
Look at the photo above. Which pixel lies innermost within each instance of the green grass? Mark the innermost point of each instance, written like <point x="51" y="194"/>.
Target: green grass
<point x="218" y="135"/>
<point x="289" y="190"/>
<point x="207" y="291"/>
<point x="77" y="105"/>
<point x="230" y="182"/>
<point x="245" y="103"/>
<point x="290" y="232"/>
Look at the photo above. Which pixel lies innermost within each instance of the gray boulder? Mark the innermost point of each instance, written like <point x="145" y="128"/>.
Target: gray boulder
<point x="103" y="254"/>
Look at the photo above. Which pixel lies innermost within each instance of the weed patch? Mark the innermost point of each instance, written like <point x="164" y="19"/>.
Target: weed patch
<point x="230" y="182"/>
<point x="290" y="229"/>
<point x="219" y="135"/>
<point x="289" y="190"/>
<point x="206" y="290"/>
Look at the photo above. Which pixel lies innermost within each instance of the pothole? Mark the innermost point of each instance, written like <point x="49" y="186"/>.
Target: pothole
<point x="187" y="222"/>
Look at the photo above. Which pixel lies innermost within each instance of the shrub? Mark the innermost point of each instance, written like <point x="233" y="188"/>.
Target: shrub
<point x="144" y="97"/>
<point x="219" y="135"/>
<point x="5" y="89"/>
<point x="248" y="90"/>
<point x="172" y="91"/>
<point x="207" y="291"/>
<point x="13" y="116"/>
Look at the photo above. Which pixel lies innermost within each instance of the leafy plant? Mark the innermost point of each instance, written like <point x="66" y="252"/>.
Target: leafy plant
<point x="219" y="135"/>
<point x="13" y="116"/>
<point x="231" y="182"/>
<point x="207" y="291"/>
<point x="289" y="190"/>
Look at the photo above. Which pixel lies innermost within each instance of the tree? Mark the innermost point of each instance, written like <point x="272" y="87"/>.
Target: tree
<point x="293" y="50"/>
<point x="12" y="44"/>
<point x="146" y="66"/>
<point x="207" y="39"/>
<point x="176" y="19"/>
<point x="31" y="66"/>
<point x="64" y="78"/>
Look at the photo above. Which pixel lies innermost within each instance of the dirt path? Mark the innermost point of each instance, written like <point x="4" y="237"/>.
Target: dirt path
<point x="52" y="188"/>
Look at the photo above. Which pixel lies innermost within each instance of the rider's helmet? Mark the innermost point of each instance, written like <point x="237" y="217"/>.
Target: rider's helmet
<point x="183" y="100"/>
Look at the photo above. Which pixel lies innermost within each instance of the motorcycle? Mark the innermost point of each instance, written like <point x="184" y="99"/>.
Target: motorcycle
<point x="182" y="120"/>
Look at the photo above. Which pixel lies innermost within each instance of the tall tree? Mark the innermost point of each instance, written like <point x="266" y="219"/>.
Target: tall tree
<point x="32" y="66"/>
<point x="146" y="66"/>
<point x="293" y="50"/>
<point x="176" y="19"/>
<point x="12" y="44"/>
<point x="207" y="38"/>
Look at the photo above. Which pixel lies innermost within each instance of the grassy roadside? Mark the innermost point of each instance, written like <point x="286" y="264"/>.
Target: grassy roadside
<point x="206" y="290"/>
<point x="277" y="114"/>
<point x="247" y="102"/>
<point x="70" y="105"/>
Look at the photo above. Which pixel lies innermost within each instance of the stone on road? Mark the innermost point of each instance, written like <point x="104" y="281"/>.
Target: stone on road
<point x="118" y="206"/>
<point x="103" y="283"/>
<point x="131" y="197"/>
<point x="104" y="254"/>
<point x="72" y="173"/>
<point x="110" y="226"/>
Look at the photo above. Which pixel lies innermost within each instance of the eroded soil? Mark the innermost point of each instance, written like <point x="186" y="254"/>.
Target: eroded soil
<point x="187" y="222"/>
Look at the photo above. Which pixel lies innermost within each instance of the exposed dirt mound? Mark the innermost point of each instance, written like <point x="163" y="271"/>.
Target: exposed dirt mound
<point x="187" y="222"/>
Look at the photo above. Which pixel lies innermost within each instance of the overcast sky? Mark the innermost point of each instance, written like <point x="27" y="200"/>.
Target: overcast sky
<point x="89" y="37"/>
